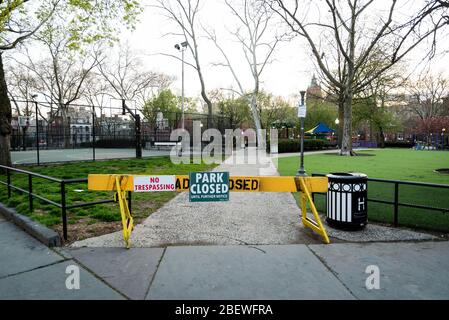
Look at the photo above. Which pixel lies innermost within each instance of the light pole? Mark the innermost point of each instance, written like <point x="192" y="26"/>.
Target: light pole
<point x="34" y="96"/>
<point x="302" y="115"/>
<point x="442" y="136"/>
<point x="182" y="47"/>
<point x="337" y="122"/>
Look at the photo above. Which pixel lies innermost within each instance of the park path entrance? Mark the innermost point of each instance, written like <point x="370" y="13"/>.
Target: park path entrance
<point x="247" y="218"/>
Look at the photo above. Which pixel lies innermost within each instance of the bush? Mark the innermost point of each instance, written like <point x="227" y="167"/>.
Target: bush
<point x="293" y="145"/>
<point x="399" y="144"/>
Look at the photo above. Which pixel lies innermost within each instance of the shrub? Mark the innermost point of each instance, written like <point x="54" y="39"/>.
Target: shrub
<point x="399" y="144"/>
<point x="293" y="145"/>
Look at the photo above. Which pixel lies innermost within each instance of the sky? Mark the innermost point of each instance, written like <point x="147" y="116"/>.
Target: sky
<point x="290" y="72"/>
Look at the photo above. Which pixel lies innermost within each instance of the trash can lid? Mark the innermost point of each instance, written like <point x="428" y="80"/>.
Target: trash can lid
<point x="346" y="175"/>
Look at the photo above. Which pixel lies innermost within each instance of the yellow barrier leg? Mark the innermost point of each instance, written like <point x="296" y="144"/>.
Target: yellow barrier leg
<point x="127" y="219"/>
<point x="316" y="225"/>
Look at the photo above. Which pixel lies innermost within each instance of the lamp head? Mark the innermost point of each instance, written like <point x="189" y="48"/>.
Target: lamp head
<point x="181" y="46"/>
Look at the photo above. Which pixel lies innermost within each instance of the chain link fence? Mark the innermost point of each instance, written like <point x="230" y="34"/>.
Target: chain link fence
<point x="91" y="127"/>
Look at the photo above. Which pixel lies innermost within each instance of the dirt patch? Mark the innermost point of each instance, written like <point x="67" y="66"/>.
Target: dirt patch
<point x="88" y="228"/>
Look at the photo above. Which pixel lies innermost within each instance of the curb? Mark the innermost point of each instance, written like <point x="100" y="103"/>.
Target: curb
<point x="45" y="235"/>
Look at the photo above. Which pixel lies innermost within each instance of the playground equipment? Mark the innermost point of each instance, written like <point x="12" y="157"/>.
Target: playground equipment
<point x="122" y="183"/>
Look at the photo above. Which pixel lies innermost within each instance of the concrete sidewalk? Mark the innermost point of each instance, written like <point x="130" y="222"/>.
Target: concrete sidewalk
<point x="29" y="270"/>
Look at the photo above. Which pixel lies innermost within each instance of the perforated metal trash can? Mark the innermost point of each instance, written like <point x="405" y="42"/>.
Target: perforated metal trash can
<point x="347" y="201"/>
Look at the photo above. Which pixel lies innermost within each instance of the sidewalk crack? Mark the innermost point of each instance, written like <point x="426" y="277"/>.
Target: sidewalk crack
<point x="37" y="268"/>
<point x="333" y="272"/>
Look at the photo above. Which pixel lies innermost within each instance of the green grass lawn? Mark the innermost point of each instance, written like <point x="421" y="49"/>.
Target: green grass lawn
<point x="391" y="164"/>
<point x="99" y="219"/>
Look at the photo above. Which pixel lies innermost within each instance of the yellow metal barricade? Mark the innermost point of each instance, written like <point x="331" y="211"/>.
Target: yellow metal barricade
<point x="304" y="185"/>
<point x="127" y="219"/>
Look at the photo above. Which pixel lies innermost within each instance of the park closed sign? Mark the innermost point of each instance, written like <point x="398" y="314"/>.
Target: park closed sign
<point x="208" y="186"/>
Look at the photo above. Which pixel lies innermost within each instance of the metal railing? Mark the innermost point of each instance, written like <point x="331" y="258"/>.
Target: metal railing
<point x="396" y="203"/>
<point x="63" y="192"/>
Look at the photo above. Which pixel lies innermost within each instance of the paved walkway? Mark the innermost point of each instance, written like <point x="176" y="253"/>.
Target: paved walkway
<point x="29" y="270"/>
<point x="247" y="218"/>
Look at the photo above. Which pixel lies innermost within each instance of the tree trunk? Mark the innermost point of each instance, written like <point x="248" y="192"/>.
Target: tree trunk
<point x="256" y="118"/>
<point x="340" y="124"/>
<point x="382" y="138"/>
<point x="65" y="126"/>
<point x="209" y="108"/>
<point x="346" y="142"/>
<point x="5" y="119"/>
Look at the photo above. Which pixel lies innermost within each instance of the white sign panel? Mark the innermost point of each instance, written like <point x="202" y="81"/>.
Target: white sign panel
<point x="302" y="110"/>
<point x="24" y="121"/>
<point x="154" y="183"/>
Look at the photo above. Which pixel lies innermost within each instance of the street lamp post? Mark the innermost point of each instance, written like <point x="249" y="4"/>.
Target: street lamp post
<point x="442" y="136"/>
<point x="182" y="47"/>
<point x="34" y="96"/>
<point x="337" y="122"/>
<point x="302" y="171"/>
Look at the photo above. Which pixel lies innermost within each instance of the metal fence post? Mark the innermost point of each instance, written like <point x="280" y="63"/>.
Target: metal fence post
<point x="63" y="210"/>
<point x="396" y="204"/>
<point x="30" y="191"/>
<point x="138" y="132"/>
<point x="8" y="175"/>
<point x="93" y="135"/>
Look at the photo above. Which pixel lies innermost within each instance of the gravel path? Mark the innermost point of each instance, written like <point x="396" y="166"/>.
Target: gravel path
<point x="247" y="218"/>
<point x="379" y="233"/>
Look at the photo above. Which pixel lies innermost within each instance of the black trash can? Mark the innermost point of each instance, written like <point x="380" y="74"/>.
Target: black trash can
<point x="347" y="201"/>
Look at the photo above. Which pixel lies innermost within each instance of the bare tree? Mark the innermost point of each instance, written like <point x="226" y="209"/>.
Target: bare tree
<point x="126" y="79"/>
<point x="427" y="94"/>
<point x="184" y="13"/>
<point x="21" y="86"/>
<point x="345" y="26"/>
<point x="257" y="44"/>
<point x="60" y="78"/>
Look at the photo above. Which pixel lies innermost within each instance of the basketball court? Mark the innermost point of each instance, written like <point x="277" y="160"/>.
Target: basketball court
<point x="64" y="155"/>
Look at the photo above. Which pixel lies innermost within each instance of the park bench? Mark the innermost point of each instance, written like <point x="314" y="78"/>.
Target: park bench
<point x="159" y="144"/>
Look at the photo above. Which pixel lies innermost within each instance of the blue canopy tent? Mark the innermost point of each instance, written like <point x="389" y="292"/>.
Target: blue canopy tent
<point x="320" y="128"/>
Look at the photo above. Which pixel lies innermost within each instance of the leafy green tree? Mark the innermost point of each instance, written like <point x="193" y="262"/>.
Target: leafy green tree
<point x="85" y="22"/>
<point x="275" y="111"/>
<point x="236" y="110"/>
<point x="320" y="111"/>
<point x="167" y="103"/>
<point x="379" y="117"/>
